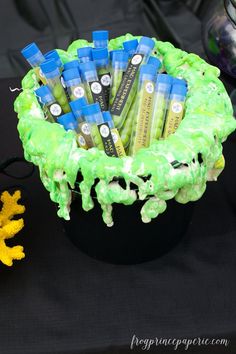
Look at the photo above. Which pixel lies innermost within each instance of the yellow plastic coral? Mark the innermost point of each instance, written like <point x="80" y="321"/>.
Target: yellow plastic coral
<point x="9" y="227"/>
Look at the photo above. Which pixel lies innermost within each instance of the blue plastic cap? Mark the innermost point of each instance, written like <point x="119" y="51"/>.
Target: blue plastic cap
<point x="48" y="66"/>
<point x="100" y="35"/>
<point x="155" y="62"/>
<point x="107" y="116"/>
<point x="42" y="91"/>
<point x="99" y="53"/>
<point x="89" y="66"/>
<point x="30" y="50"/>
<point x="71" y="64"/>
<point x="149" y="42"/>
<point x="78" y="104"/>
<point x="71" y="74"/>
<point x="111" y="53"/>
<point x="91" y="109"/>
<point x="52" y="54"/>
<point x="121" y="56"/>
<point x="176" y="81"/>
<point x="130" y="45"/>
<point x="68" y="121"/>
<point x="178" y="90"/>
<point x="84" y="52"/>
<point x="164" y="79"/>
<point x="147" y="69"/>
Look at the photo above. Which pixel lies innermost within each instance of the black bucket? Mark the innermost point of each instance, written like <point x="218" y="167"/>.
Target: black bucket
<point x="129" y="240"/>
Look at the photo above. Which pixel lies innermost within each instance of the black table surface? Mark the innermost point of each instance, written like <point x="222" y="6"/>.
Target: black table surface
<point x="59" y="300"/>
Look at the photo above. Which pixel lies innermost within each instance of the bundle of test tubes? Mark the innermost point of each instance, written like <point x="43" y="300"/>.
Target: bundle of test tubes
<point x="118" y="101"/>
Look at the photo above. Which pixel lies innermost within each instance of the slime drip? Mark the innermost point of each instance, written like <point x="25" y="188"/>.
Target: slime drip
<point x="207" y="123"/>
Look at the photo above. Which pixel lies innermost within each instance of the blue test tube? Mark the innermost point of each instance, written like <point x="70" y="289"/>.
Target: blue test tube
<point x="118" y="68"/>
<point x="84" y="54"/>
<point x="93" y="116"/>
<point x="101" y="59"/>
<point x="100" y="39"/>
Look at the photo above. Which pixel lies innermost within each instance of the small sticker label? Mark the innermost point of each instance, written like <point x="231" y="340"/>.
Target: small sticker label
<point x="82" y="141"/>
<point x="176" y="107"/>
<point x="126" y="85"/>
<point x="84" y="129"/>
<point x="107" y="139"/>
<point x="78" y="92"/>
<point x="114" y="136"/>
<point x="149" y="87"/>
<point x="55" y="110"/>
<point x="98" y="94"/>
<point x="105" y="80"/>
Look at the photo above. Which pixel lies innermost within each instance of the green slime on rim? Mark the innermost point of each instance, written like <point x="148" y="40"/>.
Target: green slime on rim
<point x="207" y="123"/>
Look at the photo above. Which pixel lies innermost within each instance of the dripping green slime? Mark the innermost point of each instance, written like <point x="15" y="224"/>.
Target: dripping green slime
<point x="207" y="123"/>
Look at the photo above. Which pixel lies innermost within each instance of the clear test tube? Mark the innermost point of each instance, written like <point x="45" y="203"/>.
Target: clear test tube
<point x="175" y="109"/>
<point x="118" y="68"/>
<point x="120" y="151"/>
<point x="51" y="108"/>
<point x="160" y="104"/>
<point x="76" y="107"/>
<point x="101" y="59"/>
<point x="128" y="86"/>
<point x="130" y="47"/>
<point x="84" y="54"/>
<point x="100" y="39"/>
<point x="93" y="86"/>
<point x="73" y="83"/>
<point x="52" y="74"/>
<point x="34" y="57"/>
<point x="141" y="126"/>
<point x="93" y="116"/>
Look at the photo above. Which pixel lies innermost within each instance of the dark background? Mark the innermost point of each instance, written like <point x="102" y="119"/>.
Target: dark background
<point x="58" y="300"/>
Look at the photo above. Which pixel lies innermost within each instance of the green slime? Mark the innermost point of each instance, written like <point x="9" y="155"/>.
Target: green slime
<point x="207" y="123"/>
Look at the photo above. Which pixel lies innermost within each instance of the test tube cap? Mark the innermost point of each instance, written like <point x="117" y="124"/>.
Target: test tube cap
<point x="68" y="121"/>
<point x="164" y="79"/>
<point x="30" y="50"/>
<point x="71" y="74"/>
<point x="180" y="90"/>
<point x="121" y="56"/>
<point x="155" y="62"/>
<point x="100" y="35"/>
<point x="147" y="69"/>
<point x="78" y="104"/>
<point x="71" y="64"/>
<point x="106" y="116"/>
<point x="85" y="52"/>
<point x="177" y="81"/>
<point x="91" y="109"/>
<point x="48" y="66"/>
<point x="99" y="53"/>
<point x="149" y="42"/>
<point x="130" y="45"/>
